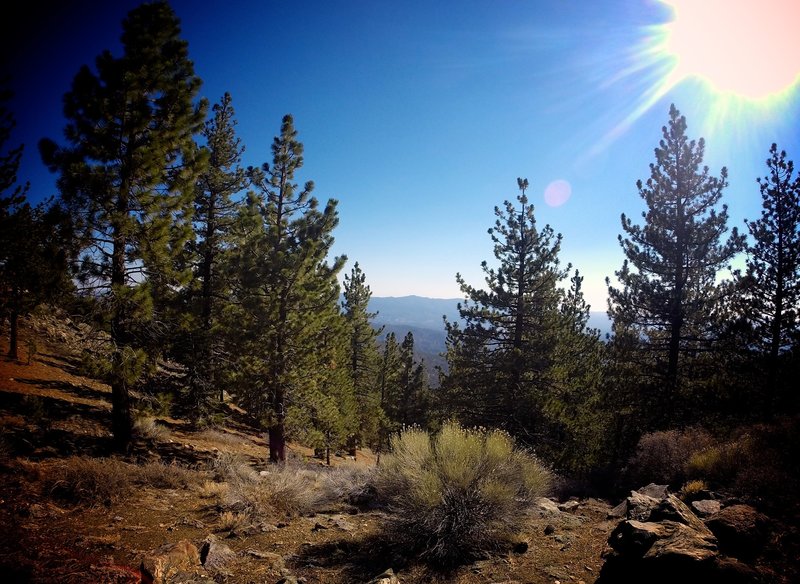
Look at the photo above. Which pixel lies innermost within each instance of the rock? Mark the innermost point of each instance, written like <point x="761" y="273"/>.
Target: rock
<point x="634" y="538"/>
<point x="619" y="512"/>
<point x="705" y="507"/>
<point x="317" y="527"/>
<point x="732" y="571"/>
<point x="288" y="580"/>
<point x="167" y="561"/>
<point x="673" y="509"/>
<point x="549" y="529"/>
<point x="741" y="530"/>
<point x="387" y="577"/>
<point x="569" y="506"/>
<point x="683" y="544"/>
<point x="639" y="506"/>
<point x="655" y="491"/>
<point x="215" y="555"/>
<point x="670" y="543"/>
<point x="546" y="507"/>
<point x="275" y="561"/>
<point x="521" y="547"/>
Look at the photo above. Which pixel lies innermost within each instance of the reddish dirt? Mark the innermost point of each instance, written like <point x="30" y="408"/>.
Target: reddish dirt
<point x="48" y="411"/>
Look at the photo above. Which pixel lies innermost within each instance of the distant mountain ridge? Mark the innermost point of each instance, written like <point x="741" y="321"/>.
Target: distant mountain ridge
<point x="422" y="317"/>
<point x="420" y="312"/>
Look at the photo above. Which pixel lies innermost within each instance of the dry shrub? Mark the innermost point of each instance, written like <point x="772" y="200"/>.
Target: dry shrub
<point x="149" y="429"/>
<point x="459" y="493"/>
<point x="347" y="484"/>
<point x="213" y="490"/>
<point x="663" y="457"/>
<point x="166" y="476"/>
<point x="221" y="438"/>
<point x="692" y="489"/>
<point x="231" y="521"/>
<point x="283" y="490"/>
<point x="83" y="480"/>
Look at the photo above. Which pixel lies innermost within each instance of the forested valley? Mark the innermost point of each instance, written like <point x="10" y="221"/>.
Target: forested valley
<point x="210" y="295"/>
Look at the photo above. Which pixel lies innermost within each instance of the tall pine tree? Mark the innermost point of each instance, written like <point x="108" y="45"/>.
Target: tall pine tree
<point x="500" y="359"/>
<point x="363" y="354"/>
<point x="669" y="295"/>
<point x="286" y="296"/>
<point x="215" y="213"/>
<point x="127" y="173"/>
<point x="772" y="280"/>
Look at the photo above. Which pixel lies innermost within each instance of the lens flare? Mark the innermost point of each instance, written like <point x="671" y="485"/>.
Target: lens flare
<point x="557" y="193"/>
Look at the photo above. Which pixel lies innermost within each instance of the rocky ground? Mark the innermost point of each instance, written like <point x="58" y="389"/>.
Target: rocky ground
<point x="171" y="515"/>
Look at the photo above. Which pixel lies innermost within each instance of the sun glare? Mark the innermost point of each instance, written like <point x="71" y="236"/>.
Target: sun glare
<point x="747" y="48"/>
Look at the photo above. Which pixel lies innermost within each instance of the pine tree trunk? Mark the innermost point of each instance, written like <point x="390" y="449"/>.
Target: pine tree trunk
<point x="277" y="442"/>
<point x="121" y="415"/>
<point x="13" y="339"/>
<point x="121" y="421"/>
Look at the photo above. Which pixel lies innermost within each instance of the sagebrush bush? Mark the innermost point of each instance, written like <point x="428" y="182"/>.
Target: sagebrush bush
<point x="459" y="493"/>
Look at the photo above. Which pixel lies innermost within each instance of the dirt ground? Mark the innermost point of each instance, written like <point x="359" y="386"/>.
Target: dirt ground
<point x="48" y="412"/>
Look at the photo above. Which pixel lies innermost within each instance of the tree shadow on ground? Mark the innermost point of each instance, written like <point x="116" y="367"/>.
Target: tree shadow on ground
<point x="362" y="559"/>
<point x="81" y="391"/>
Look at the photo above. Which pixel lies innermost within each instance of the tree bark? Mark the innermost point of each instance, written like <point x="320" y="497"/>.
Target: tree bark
<point x="13" y="340"/>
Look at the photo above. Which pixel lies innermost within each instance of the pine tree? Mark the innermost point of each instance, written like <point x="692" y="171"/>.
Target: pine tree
<point x="12" y="224"/>
<point x="500" y="359"/>
<point x="772" y="281"/>
<point x="669" y="294"/>
<point x="215" y="212"/>
<point x="286" y="294"/>
<point x="363" y="353"/>
<point x="127" y="175"/>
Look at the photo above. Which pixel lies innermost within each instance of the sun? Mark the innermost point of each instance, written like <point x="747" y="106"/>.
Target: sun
<point x="743" y="48"/>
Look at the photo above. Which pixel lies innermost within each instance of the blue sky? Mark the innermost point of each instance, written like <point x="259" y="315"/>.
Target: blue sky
<point x="419" y="116"/>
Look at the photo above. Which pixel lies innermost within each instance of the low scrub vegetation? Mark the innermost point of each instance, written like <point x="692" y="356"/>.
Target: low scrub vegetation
<point x="92" y="481"/>
<point x="285" y="490"/>
<point x="757" y="461"/>
<point x="459" y="493"/>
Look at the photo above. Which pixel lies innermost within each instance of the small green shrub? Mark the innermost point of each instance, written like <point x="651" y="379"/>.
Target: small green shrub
<point x="459" y="493"/>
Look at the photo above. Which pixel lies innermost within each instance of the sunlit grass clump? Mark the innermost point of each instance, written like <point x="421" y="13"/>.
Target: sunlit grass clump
<point x="459" y="493"/>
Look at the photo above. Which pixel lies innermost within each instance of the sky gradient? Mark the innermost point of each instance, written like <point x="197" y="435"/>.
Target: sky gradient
<point x="419" y="116"/>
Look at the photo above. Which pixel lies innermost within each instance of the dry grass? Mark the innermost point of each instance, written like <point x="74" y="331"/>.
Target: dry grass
<point x="83" y="480"/>
<point x="284" y="490"/>
<point x="92" y="481"/>
<point x="231" y="521"/>
<point x="221" y="438"/>
<point x="149" y="429"/>
<point x="213" y="490"/>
